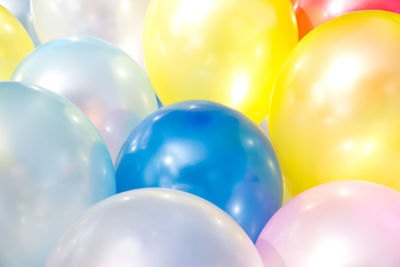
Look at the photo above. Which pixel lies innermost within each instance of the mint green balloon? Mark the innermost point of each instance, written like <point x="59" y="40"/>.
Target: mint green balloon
<point x="53" y="166"/>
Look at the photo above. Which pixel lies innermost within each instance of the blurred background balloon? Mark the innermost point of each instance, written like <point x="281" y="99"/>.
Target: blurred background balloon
<point x="346" y="224"/>
<point x="335" y="108"/>
<point x="22" y="11"/>
<point x="225" y="51"/>
<point x="209" y="150"/>
<point x="119" y="22"/>
<point x="53" y="166"/>
<point x="15" y="43"/>
<point x="103" y="81"/>
<point x="311" y="13"/>
<point x="154" y="228"/>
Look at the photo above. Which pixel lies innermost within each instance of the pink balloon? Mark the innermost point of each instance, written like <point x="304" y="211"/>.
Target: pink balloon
<point x="339" y="224"/>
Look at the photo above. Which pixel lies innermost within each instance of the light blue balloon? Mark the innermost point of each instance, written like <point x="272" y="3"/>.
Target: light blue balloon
<point x="53" y="166"/>
<point x="22" y="11"/>
<point x="99" y="78"/>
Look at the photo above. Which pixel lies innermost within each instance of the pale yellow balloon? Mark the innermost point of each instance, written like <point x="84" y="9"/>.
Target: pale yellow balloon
<point x="335" y="111"/>
<point x="227" y="51"/>
<point x="15" y="43"/>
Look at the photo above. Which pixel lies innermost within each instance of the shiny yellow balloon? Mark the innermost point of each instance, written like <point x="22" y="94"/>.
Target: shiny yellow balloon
<point x="335" y="110"/>
<point x="227" y="51"/>
<point x="15" y="43"/>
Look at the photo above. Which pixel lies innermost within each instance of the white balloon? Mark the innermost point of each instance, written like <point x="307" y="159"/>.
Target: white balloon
<point x="102" y="80"/>
<point x="155" y="228"/>
<point x="117" y="21"/>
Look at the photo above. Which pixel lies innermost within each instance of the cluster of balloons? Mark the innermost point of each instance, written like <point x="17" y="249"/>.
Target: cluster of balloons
<point x="94" y="173"/>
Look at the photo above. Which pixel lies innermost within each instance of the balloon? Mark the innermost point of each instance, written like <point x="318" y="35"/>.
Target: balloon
<point x="311" y="13"/>
<point x="264" y="127"/>
<point x="225" y="51"/>
<point x="119" y="22"/>
<point x="53" y="166"/>
<point x="154" y="228"/>
<point x="346" y="224"/>
<point x="211" y="151"/>
<point x="335" y="107"/>
<point x="21" y="10"/>
<point x="104" y="82"/>
<point x="15" y="43"/>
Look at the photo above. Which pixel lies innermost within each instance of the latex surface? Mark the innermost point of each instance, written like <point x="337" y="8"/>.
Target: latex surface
<point x="346" y="224"/>
<point x="15" y="43"/>
<point x="53" y="166"/>
<point x="155" y="228"/>
<point x="228" y="51"/>
<point x="103" y="81"/>
<point x="209" y="150"/>
<point x="335" y="108"/>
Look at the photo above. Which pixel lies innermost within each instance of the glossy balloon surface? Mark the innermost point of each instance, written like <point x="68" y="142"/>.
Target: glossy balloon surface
<point x="346" y="224"/>
<point x="155" y="228"/>
<point x="103" y="81"/>
<point x="22" y="11"/>
<point x="119" y="22"/>
<point x="209" y="150"/>
<point x="225" y="51"/>
<point x="335" y="108"/>
<point x="15" y="43"/>
<point x="53" y="166"/>
<point x="311" y="13"/>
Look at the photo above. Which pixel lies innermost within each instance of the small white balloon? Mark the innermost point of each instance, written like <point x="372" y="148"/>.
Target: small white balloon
<point x="119" y="22"/>
<point x="155" y="228"/>
<point x="102" y="80"/>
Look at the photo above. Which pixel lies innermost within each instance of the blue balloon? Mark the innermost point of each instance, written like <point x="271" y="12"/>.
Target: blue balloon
<point x="209" y="150"/>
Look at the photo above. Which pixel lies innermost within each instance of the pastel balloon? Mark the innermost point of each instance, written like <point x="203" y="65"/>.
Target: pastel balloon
<point x="335" y="107"/>
<point x="53" y="166"/>
<point x="154" y="228"/>
<point x="119" y="22"/>
<point x="15" y="43"/>
<point x="21" y="10"/>
<point x="103" y="81"/>
<point x="224" y="51"/>
<point x="209" y="150"/>
<point x="311" y="13"/>
<point x="346" y="224"/>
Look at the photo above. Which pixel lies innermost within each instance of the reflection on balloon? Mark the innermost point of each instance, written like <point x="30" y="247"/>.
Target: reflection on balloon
<point x="335" y="108"/>
<point x="346" y="224"/>
<point x="21" y="10"/>
<point x="104" y="82"/>
<point x="153" y="228"/>
<point x="225" y="51"/>
<point x="119" y="22"/>
<point x="15" y="43"/>
<point x="53" y="166"/>
<point x="209" y="150"/>
<point x="311" y="13"/>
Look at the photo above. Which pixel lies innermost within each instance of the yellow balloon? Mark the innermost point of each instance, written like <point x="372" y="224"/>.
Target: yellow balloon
<point x="335" y="110"/>
<point x="15" y="43"/>
<point x="228" y="51"/>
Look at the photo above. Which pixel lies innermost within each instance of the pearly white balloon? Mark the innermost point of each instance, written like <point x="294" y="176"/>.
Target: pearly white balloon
<point x="102" y="80"/>
<point x="155" y="228"/>
<point x="119" y="22"/>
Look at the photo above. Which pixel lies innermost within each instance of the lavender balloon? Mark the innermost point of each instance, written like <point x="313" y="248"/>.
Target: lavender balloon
<point x="339" y="224"/>
<point x="155" y="228"/>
